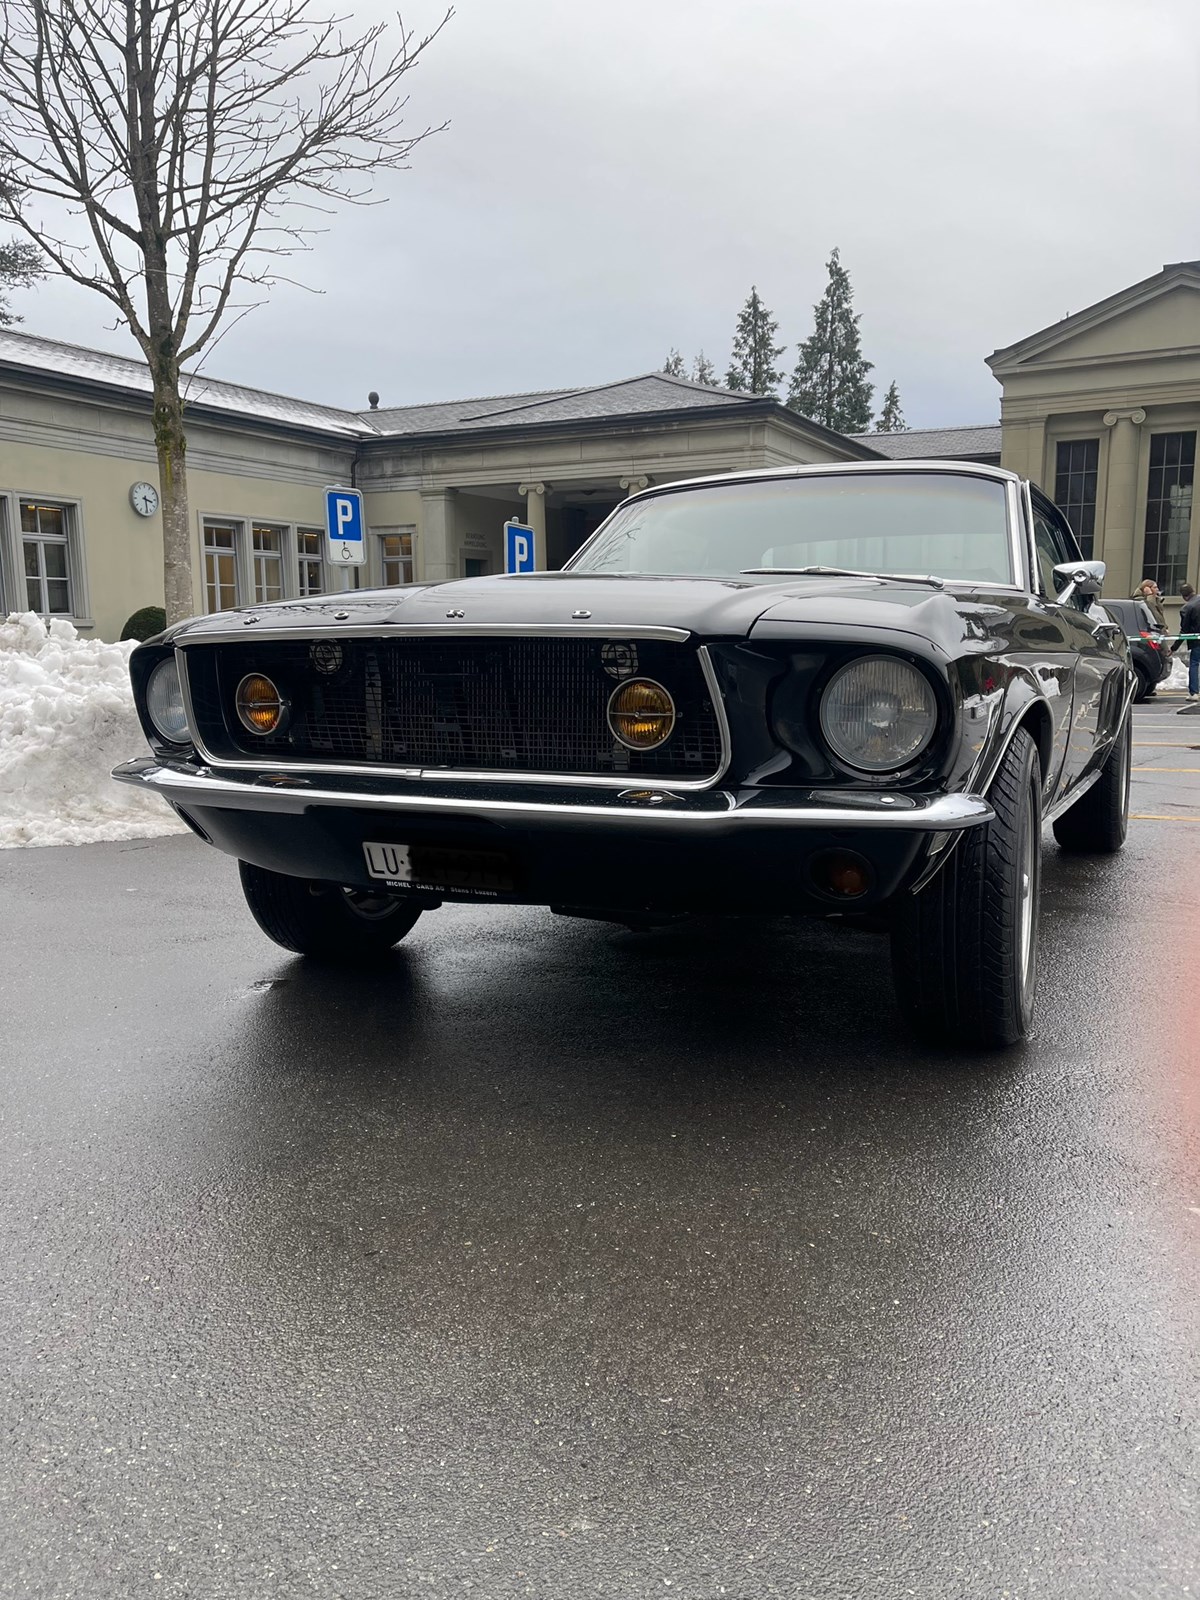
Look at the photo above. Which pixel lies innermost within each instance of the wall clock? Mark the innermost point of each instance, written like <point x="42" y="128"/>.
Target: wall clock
<point x="143" y="497"/>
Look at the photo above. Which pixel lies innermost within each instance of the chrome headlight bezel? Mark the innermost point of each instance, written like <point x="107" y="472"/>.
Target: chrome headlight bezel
<point x="921" y="713"/>
<point x="166" y="710"/>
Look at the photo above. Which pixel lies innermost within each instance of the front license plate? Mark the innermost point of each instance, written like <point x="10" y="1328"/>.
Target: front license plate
<point x="435" y="867"/>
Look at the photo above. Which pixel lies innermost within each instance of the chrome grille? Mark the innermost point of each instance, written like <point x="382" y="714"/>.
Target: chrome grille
<point x="535" y="705"/>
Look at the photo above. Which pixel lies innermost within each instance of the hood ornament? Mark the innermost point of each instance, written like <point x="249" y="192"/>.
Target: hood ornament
<point x="456" y="611"/>
<point x="581" y="616"/>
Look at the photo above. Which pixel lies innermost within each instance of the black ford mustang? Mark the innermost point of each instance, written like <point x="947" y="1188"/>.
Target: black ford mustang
<point x="845" y="690"/>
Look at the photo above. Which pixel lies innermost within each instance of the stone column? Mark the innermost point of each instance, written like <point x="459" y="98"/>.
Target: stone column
<point x="535" y="516"/>
<point x="632" y="485"/>
<point x="1118" y="545"/>
<point x="439" y="546"/>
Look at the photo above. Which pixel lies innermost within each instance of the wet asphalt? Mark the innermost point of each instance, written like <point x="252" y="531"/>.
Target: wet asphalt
<point x="562" y="1261"/>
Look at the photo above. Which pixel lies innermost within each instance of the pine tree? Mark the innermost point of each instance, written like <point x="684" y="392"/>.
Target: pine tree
<point x="891" y="418"/>
<point x="673" y="366"/>
<point x="829" y="383"/>
<point x="752" y="364"/>
<point x="703" y="370"/>
<point x="20" y="266"/>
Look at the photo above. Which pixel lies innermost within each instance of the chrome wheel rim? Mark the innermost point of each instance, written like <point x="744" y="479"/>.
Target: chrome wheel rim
<point x="1028" y="894"/>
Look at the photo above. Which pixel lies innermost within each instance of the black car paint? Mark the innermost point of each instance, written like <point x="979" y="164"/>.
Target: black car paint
<point x="997" y="657"/>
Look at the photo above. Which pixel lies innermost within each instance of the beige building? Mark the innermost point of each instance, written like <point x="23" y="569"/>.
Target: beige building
<point x="439" y="481"/>
<point x="1102" y="410"/>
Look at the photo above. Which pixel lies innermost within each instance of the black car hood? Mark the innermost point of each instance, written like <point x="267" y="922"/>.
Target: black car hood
<point x="710" y="607"/>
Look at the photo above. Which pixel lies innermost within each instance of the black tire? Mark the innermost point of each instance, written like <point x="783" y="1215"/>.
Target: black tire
<point x="323" y="919"/>
<point x="964" y="948"/>
<point x="1144" y="689"/>
<point x="1099" y="820"/>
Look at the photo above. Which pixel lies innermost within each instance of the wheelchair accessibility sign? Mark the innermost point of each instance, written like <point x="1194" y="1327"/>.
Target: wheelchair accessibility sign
<point x="346" y="541"/>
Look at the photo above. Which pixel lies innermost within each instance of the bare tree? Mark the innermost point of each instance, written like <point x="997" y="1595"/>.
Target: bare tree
<point x="181" y="149"/>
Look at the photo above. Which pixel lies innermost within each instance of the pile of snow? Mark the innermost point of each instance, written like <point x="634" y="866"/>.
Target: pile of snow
<point x="66" y="719"/>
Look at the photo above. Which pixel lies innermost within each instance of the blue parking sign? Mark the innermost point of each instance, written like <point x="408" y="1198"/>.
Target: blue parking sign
<point x="518" y="547"/>
<point x="345" y="528"/>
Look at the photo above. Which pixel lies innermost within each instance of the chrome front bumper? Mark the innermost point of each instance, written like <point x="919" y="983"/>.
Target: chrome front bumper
<point x="708" y="812"/>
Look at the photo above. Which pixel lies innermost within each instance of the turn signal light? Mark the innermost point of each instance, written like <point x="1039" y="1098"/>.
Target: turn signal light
<point x="841" y="874"/>
<point x="260" y="706"/>
<point x="641" y="714"/>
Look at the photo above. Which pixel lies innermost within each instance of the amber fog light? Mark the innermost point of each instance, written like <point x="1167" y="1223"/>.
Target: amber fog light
<point x="260" y="706"/>
<point x="841" y="874"/>
<point x="641" y="714"/>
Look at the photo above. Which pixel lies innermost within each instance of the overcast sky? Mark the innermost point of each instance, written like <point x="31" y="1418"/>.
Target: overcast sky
<point x="617" y="173"/>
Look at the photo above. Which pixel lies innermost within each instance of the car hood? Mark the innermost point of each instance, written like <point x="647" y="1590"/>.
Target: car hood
<point x="711" y="607"/>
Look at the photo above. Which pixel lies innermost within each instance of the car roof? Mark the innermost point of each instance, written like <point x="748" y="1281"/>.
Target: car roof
<point x="961" y="469"/>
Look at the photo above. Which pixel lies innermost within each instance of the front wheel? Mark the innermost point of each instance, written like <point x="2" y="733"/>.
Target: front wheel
<point x="1099" y="820"/>
<point x="323" y="919"/>
<point x="964" y="948"/>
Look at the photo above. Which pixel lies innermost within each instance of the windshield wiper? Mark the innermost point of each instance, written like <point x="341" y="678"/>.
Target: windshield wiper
<point x="840" y="572"/>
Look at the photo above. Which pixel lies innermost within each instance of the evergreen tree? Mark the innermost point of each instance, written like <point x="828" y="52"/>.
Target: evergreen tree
<point x="752" y="365"/>
<point x="829" y="383"/>
<point x="891" y="418"/>
<point x="703" y="370"/>
<point x="20" y="266"/>
<point x="673" y="366"/>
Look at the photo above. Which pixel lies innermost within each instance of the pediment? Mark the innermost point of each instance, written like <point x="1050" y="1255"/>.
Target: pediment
<point x="1161" y="314"/>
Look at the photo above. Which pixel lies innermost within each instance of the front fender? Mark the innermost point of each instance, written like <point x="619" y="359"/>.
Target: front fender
<point x="997" y="700"/>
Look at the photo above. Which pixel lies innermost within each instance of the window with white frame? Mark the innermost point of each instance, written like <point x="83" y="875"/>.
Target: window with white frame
<point x="266" y="557"/>
<point x="220" y="564"/>
<point x="46" y="558"/>
<point x="310" y="564"/>
<point x="396" y="555"/>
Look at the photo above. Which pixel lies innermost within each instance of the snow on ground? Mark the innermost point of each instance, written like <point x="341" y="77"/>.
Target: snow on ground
<point x="66" y="719"/>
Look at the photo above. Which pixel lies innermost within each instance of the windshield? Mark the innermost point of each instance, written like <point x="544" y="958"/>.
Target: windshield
<point x="933" y="523"/>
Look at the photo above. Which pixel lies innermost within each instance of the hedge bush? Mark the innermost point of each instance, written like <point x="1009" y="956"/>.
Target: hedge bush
<point x="144" y="624"/>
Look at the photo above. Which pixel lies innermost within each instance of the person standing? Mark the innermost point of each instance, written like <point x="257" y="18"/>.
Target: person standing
<point x="1147" y="590"/>
<point x="1189" y="624"/>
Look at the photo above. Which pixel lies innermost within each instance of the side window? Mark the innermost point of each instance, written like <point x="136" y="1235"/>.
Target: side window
<point x="1052" y="547"/>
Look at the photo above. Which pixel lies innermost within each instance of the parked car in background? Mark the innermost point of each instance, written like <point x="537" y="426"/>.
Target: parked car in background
<point x="1149" y="644"/>
<point x="847" y="690"/>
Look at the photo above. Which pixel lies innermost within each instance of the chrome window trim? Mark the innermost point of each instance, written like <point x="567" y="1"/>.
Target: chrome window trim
<point x="467" y="775"/>
<point x="966" y="469"/>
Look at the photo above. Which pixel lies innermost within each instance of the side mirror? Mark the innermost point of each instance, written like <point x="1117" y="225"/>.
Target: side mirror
<point x="1079" y="578"/>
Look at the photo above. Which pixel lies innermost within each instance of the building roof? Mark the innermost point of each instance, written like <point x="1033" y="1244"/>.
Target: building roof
<point x="49" y="357"/>
<point x="935" y="444"/>
<point x="651" y="394"/>
<point x="628" y="397"/>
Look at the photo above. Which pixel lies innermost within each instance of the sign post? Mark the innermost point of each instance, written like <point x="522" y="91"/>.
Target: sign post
<point x="518" y="547"/>
<point x="345" y="528"/>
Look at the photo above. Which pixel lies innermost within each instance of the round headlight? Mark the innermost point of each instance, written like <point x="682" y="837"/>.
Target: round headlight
<point x="164" y="703"/>
<point x="878" y="713"/>
<point x="641" y="714"/>
<point x="260" y="706"/>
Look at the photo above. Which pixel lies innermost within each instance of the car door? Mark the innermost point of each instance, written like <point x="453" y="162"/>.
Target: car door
<point x="1088" y="632"/>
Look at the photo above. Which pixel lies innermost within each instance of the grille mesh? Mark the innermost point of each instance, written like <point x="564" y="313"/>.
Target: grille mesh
<point x="518" y="705"/>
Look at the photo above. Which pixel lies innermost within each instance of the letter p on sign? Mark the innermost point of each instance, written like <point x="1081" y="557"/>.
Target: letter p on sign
<point x="518" y="547"/>
<point x="346" y="543"/>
